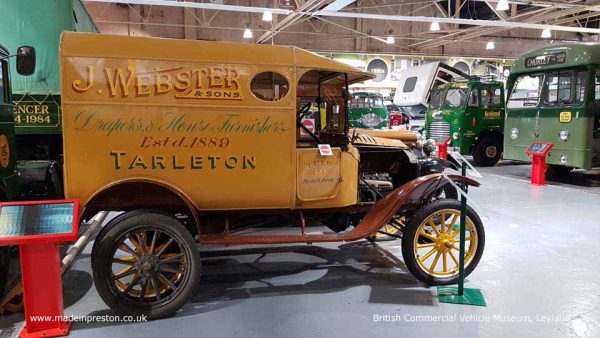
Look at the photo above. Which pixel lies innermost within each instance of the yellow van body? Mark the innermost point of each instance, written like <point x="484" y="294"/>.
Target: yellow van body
<point x="182" y="114"/>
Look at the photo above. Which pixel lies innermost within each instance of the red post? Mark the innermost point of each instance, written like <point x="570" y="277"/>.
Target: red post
<point x="538" y="151"/>
<point x="42" y="291"/>
<point x="443" y="148"/>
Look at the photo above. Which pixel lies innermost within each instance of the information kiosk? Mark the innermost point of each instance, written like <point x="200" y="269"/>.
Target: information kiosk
<point x="538" y="152"/>
<point x="38" y="228"/>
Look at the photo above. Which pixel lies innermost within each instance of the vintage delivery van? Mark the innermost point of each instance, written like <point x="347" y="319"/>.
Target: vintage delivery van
<point x="199" y="141"/>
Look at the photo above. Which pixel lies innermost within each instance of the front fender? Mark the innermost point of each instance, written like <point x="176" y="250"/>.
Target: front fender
<point x="410" y="196"/>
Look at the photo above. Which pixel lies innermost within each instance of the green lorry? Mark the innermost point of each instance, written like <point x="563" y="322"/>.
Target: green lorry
<point x="555" y="97"/>
<point x="471" y="113"/>
<point x="368" y="111"/>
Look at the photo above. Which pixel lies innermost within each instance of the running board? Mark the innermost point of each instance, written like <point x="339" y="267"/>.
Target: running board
<point x="409" y="196"/>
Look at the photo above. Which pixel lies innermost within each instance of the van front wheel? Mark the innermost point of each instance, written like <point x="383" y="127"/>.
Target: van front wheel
<point x="487" y="151"/>
<point x="145" y="264"/>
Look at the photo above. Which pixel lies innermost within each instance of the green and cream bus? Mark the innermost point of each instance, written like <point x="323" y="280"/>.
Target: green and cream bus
<point x="555" y="97"/>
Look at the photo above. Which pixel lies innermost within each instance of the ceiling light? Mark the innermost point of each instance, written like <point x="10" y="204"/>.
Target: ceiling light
<point x="435" y="26"/>
<point x="247" y="33"/>
<point x="390" y="40"/>
<point x="546" y="33"/>
<point x="490" y="45"/>
<point x="267" y="16"/>
<point x="502" y="5"/>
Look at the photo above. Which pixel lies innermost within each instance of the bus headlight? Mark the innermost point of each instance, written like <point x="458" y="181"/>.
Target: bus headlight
<point x="562" y="159"/>
<point x="514" y="133"/>
<point x="455" y="135"/>
<point x="564" y="135"/>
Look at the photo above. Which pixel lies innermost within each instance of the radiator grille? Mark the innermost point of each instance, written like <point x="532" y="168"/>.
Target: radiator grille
<point x="439" y="129"/>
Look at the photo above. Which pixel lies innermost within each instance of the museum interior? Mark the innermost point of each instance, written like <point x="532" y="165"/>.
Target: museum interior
<point x="299" y="168"/>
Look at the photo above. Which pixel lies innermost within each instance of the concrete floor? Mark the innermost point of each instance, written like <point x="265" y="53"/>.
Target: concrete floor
<point x="539" y="275"/>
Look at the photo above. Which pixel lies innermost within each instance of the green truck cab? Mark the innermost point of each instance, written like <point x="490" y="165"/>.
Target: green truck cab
<point x="368" y="111"/>
<point x="32" y="179"/>
<point x="471" y="113"/>
<point x="555" y="97"/>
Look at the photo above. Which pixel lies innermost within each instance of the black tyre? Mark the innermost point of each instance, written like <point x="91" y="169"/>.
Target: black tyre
<point x="145" y="264"/>
<point x="487" y="151"/>
<point x="4" y="267"/>
<point x="558" y="170"/>
<point x="448" y="191"/>
<point x="431" y="253"/>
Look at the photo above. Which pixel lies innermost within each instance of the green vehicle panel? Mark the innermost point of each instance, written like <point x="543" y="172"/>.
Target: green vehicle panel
<point x="37" y="97"/>
<point x="368" y="111"/>
<point x="555" y="97"/>
<point x="471" y="113"/>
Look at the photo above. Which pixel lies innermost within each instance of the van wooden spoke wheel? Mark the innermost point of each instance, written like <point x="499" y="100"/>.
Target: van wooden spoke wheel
<point x="430" y="247"/>
<point x="148" y="265"/>
<point x="145" y="264"/>
<point x="392" y="230"/>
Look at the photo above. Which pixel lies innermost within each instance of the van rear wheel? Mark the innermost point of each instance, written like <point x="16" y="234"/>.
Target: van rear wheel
<point x="146" y="264"/>
<point x="487" y="151"/>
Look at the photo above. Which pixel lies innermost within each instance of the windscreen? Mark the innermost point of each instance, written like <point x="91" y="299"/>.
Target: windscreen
<point x="556" y="88"/>
<point x="376" y="101"/>
<point x="449" y="98"/>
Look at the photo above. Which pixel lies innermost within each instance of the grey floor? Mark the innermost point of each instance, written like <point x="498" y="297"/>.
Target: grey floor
<point x="539" y="275"/>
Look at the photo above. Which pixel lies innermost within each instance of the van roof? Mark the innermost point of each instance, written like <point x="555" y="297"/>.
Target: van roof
<point x="575" y="55"/>
<point x="128" y="47"/>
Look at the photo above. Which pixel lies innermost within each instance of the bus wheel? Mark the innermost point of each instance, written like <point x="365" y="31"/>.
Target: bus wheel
<point x="557" y="170"/>
<point x="487" y="151"/>
<point x="430" y="245"/>
<point x="146" y="264"/>
<point x="4" y="267"/>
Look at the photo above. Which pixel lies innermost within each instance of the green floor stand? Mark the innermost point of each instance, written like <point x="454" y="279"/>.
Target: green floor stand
<point x="460" y="295"/>
<point x="449" y="294"/>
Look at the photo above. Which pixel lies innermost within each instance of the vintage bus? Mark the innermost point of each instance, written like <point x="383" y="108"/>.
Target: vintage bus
<point x="555" y="97"/>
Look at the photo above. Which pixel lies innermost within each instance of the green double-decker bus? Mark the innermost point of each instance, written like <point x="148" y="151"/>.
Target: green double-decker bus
<point x="555" y="97"/>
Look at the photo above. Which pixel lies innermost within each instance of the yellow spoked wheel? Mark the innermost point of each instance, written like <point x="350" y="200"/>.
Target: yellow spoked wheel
<point x="430" y="246"/>
<point x="392" y="228"/>
<point x="145" y="263"/>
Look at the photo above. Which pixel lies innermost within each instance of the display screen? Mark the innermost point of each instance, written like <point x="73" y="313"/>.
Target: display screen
<point x="537" y="147"/>
<point x="36" y="219"/>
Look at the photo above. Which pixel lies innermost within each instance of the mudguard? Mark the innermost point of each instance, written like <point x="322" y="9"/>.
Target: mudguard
<point x="409" y="196"/>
